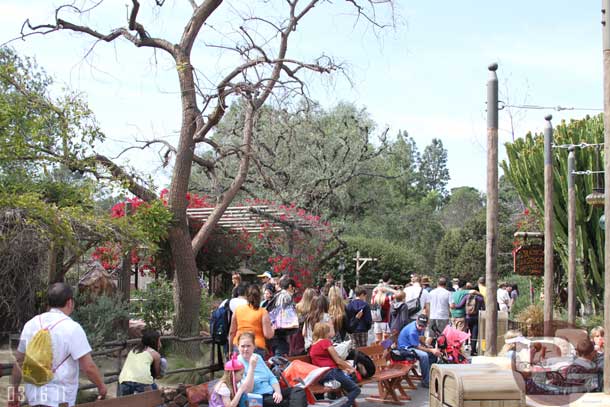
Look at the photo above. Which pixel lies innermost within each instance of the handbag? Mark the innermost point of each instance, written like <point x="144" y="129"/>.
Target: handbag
<point x="343" y="348"/>
<point x="284" y="317"/>
<point x="376" y="313"/>
<point x="414" y="305"/>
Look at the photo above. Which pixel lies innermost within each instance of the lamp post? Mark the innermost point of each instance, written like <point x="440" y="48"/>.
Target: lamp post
<point x="341" y="269"/>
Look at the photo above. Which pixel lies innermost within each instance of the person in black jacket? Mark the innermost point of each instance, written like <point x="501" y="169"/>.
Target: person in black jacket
<point x="359" y="318"/>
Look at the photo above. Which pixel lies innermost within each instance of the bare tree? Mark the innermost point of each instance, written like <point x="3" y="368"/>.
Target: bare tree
<point x="264" y="67"/>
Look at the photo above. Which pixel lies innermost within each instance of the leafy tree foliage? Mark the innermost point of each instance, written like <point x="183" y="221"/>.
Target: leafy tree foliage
<point x="524" y="168"/>
<point x="462" y="204"/>
<point x="307" y="156"/>
<point x="433" y="168"/>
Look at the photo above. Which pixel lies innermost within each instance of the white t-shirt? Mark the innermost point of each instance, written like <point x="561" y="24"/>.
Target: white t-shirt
<point x="412" y="292"/>
<point x="503" y="299"/>
<point x="69" y="341"/>
<point x="236" y="302"/>
<point x="439" y="303"/>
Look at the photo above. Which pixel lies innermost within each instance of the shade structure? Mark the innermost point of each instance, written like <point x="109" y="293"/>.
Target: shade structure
<point x="255" y="218"/>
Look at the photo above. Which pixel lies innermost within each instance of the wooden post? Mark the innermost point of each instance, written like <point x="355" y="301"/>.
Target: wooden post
<point x="359" y="265"/>
<point x="548" y="226"/>
<point x="606" y="47"/>
<point x="571" y="240"/>
<point x="491" y="241"/>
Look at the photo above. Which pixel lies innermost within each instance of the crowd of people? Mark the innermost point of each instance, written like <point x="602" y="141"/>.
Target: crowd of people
<point x="265" y="319"/>
<point x="282" y="326"/>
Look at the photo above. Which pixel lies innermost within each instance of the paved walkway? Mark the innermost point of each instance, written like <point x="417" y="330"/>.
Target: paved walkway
<point x="419" y="397"/>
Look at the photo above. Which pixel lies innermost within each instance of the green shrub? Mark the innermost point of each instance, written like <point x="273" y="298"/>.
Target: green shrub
<point x="155" y="306"/>
<point x="100" y="317"/>
<point x="398" y="260"/>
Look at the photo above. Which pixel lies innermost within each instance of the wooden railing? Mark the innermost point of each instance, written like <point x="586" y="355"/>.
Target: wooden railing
<point x="119" y="350"/>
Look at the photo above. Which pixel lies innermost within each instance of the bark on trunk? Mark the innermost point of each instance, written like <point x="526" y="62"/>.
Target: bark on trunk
<point x="56" y="259"/>
<point x="187" y="291"/>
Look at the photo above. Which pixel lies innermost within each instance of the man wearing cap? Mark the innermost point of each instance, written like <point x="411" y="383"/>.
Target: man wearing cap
<point x="425" y="282"/>
<point x="409" y="339"/>
<point x="266" y="278"/>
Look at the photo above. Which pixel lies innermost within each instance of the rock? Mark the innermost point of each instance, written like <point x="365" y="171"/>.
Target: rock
<point x="180" y="400"/>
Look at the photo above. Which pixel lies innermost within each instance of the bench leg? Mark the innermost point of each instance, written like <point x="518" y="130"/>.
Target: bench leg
<point x="387" y="393"/>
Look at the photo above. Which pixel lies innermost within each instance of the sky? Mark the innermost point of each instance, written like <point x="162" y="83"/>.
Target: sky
<point x="426" y="75"/>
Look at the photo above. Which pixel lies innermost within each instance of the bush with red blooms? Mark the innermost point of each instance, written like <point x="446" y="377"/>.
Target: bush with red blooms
<point x="293" y="254"/>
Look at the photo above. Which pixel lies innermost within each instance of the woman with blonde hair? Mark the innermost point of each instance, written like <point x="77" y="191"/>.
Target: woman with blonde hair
<point x="228" y="391"/>
<point x="304" y="305"/>
<point x="381" y="302"/>
<point x="338" y="315"/>
<point x="317" y="313"/>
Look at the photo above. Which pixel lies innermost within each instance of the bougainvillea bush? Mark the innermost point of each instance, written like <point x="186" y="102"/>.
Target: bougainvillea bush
<point x="295" y="251"/>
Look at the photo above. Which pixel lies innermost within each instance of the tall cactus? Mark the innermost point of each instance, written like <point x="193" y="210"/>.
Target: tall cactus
<point x="525" y="170"/>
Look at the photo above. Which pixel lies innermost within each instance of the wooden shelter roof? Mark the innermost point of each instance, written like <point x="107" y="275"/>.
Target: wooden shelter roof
<point x="254" y="218"/>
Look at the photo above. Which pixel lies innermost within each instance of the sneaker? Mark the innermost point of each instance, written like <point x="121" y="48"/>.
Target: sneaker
<point x="332" y="384"/>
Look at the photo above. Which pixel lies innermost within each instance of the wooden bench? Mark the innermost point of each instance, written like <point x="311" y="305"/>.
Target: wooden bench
<point x="147" y="399"/>
<point x="388" y="377"/>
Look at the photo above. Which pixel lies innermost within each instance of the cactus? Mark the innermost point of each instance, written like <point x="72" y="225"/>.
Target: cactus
<point x="525" y="170"/>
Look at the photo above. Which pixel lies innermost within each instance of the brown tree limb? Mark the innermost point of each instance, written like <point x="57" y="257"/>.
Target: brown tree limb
<point x="119" y="173"/>
<point x="199" y="17"/>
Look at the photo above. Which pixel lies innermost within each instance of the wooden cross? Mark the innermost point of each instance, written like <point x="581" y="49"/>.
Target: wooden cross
<point x="359" y="265"/>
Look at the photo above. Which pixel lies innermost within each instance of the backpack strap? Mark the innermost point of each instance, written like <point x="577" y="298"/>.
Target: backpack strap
<point x="420" y="293"/>
<point x="66" y="358"/>
<point x="55" y="324"/>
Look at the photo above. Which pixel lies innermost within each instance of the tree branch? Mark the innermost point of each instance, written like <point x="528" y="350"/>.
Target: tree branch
<point x="199" y="17"/>
<point x="120" y="174"/>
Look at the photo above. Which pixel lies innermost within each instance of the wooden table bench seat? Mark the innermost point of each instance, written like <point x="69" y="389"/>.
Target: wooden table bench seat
<point x="388" y="377"/>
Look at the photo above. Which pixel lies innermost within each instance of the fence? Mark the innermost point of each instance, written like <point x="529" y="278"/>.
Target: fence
<point x="119" y="349"/>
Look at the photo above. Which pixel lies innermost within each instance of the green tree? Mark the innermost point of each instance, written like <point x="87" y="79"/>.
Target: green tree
<point x="524" y="168"/>
<point x="433" y="168"/>
<point x="462" y="204"/>
<point x="263" y="68"/>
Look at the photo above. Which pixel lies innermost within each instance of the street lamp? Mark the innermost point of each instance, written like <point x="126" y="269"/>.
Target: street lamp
<point x="341" y="269"/>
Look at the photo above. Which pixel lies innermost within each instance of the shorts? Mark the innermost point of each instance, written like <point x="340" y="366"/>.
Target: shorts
<point x="381" y="327"/>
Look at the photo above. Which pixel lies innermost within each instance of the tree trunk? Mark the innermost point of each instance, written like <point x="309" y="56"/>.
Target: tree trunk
<point x="187" y="294"/>
<point x="56" y="259"/>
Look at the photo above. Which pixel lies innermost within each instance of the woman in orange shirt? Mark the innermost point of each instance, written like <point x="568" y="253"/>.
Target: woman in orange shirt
<point x="251" y="317"/>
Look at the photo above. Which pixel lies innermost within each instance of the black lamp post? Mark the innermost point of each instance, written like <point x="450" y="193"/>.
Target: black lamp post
<point x="341" y="269"/>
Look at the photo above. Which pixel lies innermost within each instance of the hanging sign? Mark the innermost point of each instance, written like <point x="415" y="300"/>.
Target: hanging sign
<point x="529" y="260"/>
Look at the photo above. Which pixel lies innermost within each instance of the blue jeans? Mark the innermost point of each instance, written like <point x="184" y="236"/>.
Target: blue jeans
<point x="425" y="360"/>
<point x="347" y="384"/>
<point x="128" y="388"/>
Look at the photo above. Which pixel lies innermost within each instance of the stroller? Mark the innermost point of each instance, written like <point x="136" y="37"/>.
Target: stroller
<point x="450" y="343"/>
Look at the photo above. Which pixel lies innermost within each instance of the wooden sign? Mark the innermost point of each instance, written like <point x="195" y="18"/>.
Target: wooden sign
<point x="529" y="260"/>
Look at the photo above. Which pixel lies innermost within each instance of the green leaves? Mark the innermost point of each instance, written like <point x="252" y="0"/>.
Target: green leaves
<point x="525" y="169"/>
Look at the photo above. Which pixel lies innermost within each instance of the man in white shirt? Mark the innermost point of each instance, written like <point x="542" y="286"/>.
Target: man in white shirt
<point x="71" y="351"/>
<point x="503" y="298"/>
<point x="414" y="291"/>
<point x="439" y="306"/>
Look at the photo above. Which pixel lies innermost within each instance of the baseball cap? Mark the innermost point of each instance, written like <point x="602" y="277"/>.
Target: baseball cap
<point x="422" y="320"/>
<point x="265" y="274"/>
